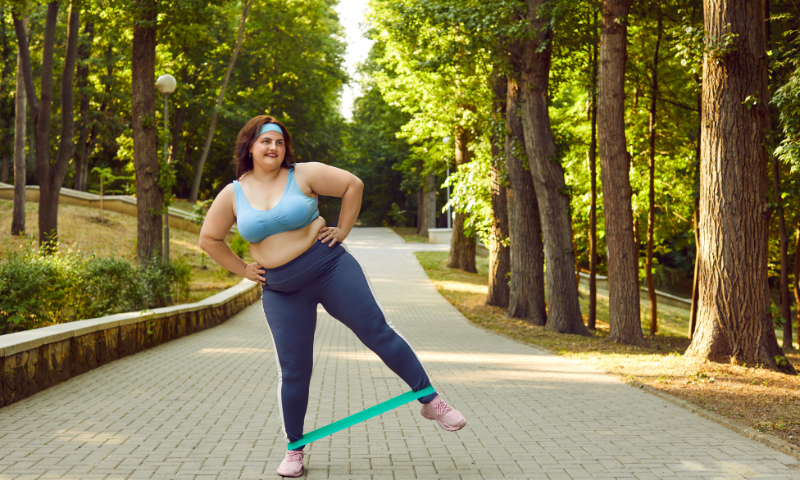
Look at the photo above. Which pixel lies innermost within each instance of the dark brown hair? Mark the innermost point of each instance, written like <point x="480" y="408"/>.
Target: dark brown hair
<point x="242" y="160"/>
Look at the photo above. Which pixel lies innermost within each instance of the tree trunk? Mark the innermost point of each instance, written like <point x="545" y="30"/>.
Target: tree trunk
<point x="526" y="298"/>
<point x="796" y="277"/>
<point x="696" y="220"/>
<point x="6" y="106"/>
<point x="734" y="323"/>
<point x="198" y="174"/>
<point x="462" y="248"/>
<point x="20" y="121"/>
<point x="51" y="176"/>
<point x="82" y="147"/>
<point x="623" y="252"/>
<point x="149" y="200"/>
<point x="428" y="217"/>
<point x="420" y="211"/>
<point x="786" y="307"/>
<point x="591" y="323"/>
<point x="499" y="254"/>
<point x="564" y="313"/>
<point x="651" y="211"/>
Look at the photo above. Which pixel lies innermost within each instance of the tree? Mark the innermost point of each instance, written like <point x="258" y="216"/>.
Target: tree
<point x="18" y="216"/>
<point x="149" y="200"/>
<point x="499" y="254"/>
<point x="734" y="323"/>
<point x="564" y="313"/>
<point x="51" y="176"/>
<point x="215" y="115"/>
<point x="623" y="276"/>
<point x="462" y="245"/>
<point x="526" y="298"/>
<point x="651" y="209"/>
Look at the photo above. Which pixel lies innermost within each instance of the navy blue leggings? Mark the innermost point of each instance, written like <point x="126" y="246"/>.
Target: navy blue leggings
<point x="332" y="277"/>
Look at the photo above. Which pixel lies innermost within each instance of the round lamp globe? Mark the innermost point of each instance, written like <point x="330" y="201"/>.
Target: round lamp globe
<point x="166" y="84"/>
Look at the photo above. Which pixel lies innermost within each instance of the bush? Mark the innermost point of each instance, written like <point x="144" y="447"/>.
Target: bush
<point x="40" y="287"/>
<point x="239" y="245"/>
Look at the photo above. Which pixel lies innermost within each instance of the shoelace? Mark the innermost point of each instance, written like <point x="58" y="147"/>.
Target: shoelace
<point x="294" y="456"/>
<point x="442" y="408"/>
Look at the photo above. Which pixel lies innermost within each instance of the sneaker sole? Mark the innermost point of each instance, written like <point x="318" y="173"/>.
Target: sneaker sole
<point x="293" y="476"/>
<point x="445" y="426"/>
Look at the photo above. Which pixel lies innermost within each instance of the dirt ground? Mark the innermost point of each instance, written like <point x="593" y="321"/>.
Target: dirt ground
<point x="753" y="396"/>
<point x="80" y="228"/>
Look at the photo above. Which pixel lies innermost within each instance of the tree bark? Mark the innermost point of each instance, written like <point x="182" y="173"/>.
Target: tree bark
<point x="796" y="277"/>
<point x="499" y="254"/>
<point x="462" y="248"/>
<point x="623" y="252"/>
<point x="82" y="147"/>
<point x="651" y="211"/>
<point x="591" y="322"/>
<point x="420" y="210"/>
<point x="20" y="123"/>
<point x="734" y="323"/>
<point x="149" y="200"/>
<point x="6" y="105"/>
<point x="564" y="314"/>
<point x="696" y="221"/>
<point x="198" y="174"/>
<point x="526" y="298"/>
<point x="428" y="204"/>
<point x="51" y="176"/>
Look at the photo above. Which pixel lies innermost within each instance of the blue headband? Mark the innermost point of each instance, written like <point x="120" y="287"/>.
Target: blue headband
<point x="270" y="127"/>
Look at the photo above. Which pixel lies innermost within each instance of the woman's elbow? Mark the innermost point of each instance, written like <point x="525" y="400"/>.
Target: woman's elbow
<point x="203" y="243"/>
<point x="357" y="183"/>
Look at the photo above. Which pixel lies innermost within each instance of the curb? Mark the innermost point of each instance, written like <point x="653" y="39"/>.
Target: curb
<point x="765" y="438"/>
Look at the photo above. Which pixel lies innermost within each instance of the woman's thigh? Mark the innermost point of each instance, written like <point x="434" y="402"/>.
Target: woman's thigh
<point x="292" y="319"/>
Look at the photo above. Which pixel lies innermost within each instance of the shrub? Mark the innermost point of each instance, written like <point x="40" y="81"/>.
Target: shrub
<point x="239" y="245"/>
<point x="40" y="287"/>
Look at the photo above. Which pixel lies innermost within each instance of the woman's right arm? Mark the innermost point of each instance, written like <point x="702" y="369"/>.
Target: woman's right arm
<point x="217" y="225"/>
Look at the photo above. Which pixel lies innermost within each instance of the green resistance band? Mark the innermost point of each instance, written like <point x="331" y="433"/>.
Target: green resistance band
<point x="361" y="416"/>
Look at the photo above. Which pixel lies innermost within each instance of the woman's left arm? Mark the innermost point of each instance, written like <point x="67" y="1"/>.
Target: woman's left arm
<point x="334" y="182"/>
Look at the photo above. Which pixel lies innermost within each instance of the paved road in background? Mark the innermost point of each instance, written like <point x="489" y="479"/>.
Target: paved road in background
<point x="204" y="407"/>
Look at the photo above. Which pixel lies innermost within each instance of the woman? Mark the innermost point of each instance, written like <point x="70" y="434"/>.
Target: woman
<point x="300" y="262"/>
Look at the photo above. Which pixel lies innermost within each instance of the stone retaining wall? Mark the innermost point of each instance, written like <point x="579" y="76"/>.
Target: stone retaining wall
<point x="34" y="360"/>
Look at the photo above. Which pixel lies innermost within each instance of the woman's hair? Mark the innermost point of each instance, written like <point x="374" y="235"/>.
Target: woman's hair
<point x="242" y="160"/>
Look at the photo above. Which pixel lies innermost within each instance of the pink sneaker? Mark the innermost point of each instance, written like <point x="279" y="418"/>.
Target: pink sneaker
<point x="446" y="416"/>
<point x="292" y="465"/>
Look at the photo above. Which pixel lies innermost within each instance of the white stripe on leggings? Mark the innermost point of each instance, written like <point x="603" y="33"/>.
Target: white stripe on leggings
<point x="280" y="378"/>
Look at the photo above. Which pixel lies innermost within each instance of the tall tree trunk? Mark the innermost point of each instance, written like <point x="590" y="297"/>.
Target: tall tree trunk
<point x="592" y="320"/>
<point x="651" y="211"/>
<point x="499" y="254"/>
<point x="526" y="298"/>
<point x="20" y="122"/>
<point x="696" y="221"/>
<point x="462" y="248"/>
<point x="51" y="176"/>
<point x="734" y="323"/>
<point x="198" y="174"/>
<point x="564" y="313"/>
<point x="6" y="105"/>
<point x="428" y="210"/>
<point x="82" y="147"/>
<point x="623" y="253"/>
<point x="149" y="199"/>
<point x="796" y="277"/>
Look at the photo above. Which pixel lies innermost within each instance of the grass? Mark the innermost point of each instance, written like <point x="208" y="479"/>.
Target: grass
<point x="409" y="235"/>
<point x="760" y="398"/>
<point x="80" y="228"/>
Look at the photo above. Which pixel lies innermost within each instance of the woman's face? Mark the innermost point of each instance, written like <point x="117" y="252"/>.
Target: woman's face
<point x="268" y="150"/>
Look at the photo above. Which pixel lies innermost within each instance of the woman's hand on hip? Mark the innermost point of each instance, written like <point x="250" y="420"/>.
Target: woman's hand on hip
<point x="255" y="272"/>
<point x="331" y="233"/>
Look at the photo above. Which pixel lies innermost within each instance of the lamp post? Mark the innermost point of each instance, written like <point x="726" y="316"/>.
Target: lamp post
<point x="446" y="141"/>
<point x="166" y="84"/>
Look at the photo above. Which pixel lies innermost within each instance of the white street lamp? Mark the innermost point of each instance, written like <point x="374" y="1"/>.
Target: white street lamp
<point x="446" y="141"/>
<point x="166" y="84"/>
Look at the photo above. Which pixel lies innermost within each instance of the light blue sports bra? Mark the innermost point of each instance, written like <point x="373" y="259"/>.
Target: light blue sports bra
<point x="294" y="210"/>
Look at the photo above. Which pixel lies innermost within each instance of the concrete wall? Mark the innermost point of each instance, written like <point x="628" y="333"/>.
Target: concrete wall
<point x="34" y="360"/>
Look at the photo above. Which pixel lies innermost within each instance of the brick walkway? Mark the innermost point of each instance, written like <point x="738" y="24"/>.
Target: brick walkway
<point x="203" y="407"/>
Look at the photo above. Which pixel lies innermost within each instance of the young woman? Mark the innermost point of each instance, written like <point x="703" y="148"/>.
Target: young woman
<point x="300" y="262"/>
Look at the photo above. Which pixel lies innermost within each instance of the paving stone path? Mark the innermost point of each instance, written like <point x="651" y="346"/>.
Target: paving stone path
<point x="204" y="407"/>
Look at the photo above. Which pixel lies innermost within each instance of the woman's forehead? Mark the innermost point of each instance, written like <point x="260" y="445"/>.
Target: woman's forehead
<point x="271" y="134"/>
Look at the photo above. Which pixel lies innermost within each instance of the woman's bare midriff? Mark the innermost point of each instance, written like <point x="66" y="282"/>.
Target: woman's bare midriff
<point x="282" y="248"/>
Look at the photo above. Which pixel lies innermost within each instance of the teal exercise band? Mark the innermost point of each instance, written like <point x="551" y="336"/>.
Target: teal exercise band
<point x="361" y="416"/>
